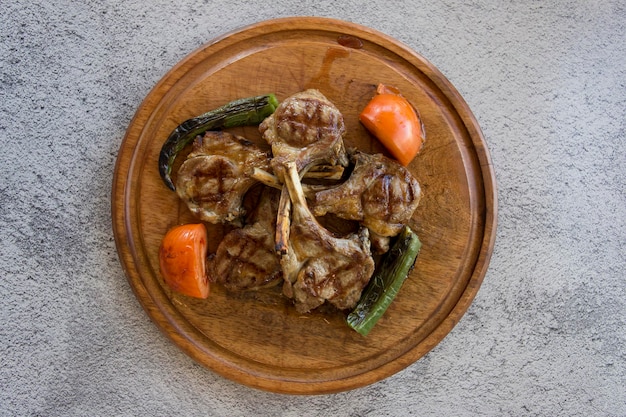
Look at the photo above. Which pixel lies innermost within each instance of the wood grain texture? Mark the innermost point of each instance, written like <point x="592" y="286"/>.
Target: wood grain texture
<point x="259" y="339"/>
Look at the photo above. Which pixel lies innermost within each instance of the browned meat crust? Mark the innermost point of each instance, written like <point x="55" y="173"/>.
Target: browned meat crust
<point x="307" y="129"/>
<point x="317" y="266"/>
<point x="217" y="174"/>
<point x="246" y="259"/>
<point x="380" y="193"/>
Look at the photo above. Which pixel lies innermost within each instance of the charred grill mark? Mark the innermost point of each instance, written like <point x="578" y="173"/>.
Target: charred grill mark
<point x="389" y="198"/>
<point x="214" y="181"/>
<point x="215" y="176"/>
<point x="247" y="262"/>
<point x="330" y="268"/>
<point x="378" y="192"/>
<point x="308" y="120"/>
<point x="386" y="199"/>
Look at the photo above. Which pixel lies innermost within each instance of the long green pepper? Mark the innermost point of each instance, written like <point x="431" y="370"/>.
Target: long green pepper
<point x="386" y="282"/>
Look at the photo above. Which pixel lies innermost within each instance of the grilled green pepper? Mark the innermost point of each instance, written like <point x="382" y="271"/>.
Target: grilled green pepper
<point x="242" y="112"/>
<point x="386" y="282"/>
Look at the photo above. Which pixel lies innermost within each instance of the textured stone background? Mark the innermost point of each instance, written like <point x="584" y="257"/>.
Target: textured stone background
<point x="546" y="334"/>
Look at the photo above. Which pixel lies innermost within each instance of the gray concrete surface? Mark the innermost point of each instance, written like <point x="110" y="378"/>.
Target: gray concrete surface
<point x="546" y="333"/>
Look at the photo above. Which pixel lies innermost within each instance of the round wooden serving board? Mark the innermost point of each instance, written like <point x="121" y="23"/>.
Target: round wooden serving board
<point x="259" y="339"/>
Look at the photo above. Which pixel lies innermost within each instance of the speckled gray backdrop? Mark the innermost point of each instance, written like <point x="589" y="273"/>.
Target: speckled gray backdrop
<point x="546" y="334"/>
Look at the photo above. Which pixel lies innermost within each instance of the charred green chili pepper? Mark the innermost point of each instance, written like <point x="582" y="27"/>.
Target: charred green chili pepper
<point x="386" y="282"/>
<point x="242" y="112"/>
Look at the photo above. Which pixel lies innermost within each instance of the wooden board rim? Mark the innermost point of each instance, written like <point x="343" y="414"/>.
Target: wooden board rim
<point x="169" y="320"/>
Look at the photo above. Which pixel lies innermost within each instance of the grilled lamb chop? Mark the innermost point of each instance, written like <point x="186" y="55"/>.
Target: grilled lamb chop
<point x="380" y="193"/>
<point x="306" y="128"/>
<point x="317" y="266"/>
<point x="217" y="174"/>
<point x="245" y="258"/>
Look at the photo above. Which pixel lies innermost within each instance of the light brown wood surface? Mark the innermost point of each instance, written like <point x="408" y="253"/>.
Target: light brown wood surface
<point x="259" y="339"/>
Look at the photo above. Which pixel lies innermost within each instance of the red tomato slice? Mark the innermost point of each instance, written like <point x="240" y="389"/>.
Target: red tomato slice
<point x="395" y="123"/>
<point x="182" y="259"/>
